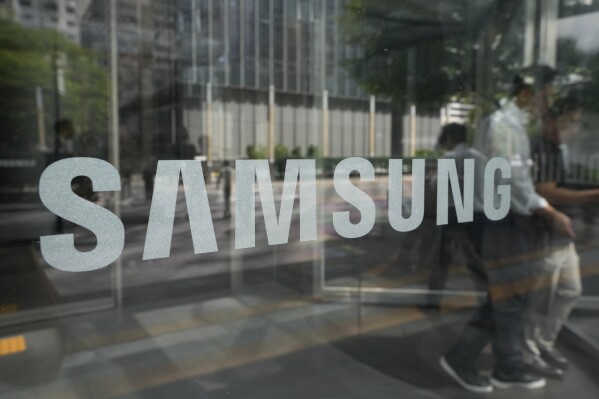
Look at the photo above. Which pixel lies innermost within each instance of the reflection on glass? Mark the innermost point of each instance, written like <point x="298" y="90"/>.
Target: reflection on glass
<point x="276" y="81"/>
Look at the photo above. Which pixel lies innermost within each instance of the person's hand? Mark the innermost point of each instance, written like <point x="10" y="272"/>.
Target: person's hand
<point x="562" y="224"/>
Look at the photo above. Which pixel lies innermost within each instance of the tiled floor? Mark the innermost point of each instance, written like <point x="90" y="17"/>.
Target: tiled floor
<point x="277" y="346"/>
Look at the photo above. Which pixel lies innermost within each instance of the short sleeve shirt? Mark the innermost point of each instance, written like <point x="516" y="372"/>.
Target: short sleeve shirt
<point x="550" y="167"/>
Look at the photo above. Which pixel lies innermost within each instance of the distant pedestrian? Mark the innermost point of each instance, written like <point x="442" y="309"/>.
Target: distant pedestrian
<point x="226" y="176"/>
<point x="148" y="170"/>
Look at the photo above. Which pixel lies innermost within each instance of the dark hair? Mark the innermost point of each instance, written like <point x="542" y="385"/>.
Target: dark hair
<point x="534" y="77"/>
<point x="453" y="132"/>
<point x="562" y="106"/>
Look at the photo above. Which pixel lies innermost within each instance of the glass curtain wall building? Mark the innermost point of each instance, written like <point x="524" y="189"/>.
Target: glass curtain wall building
<point x="295" y="198"/>
<point x="225" y="61"/>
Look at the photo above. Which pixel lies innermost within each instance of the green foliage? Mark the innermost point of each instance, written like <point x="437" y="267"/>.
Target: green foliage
<point x="254" y="152"/>
<point x="27" y="61"/>
<point x="281" y="151"/>
<point x="281" y="156"/>
<point x="383" y="69"/>
<point x="425" y="153"/>
<point x="296" y="152"/>
<point x="313" y="152"/>
<point x="581" y="68"/>
<point x="393" y="34"/>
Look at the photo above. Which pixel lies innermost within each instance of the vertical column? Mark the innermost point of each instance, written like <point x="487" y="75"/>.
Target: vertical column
<point x="257" y="44"/>
<point x="41" y="126"/>
<point x="529" y="32"/>
<point x="227" y="17"/>
<point x="242" y="43"/>
<point x="548" y="32"/>
<point x="114" y="137"/>
<point x="411" y="98"/>
<point x="371" y="127"/>
<point x="312" y="52"/>
<point x="412" y="130"/>
<point x="271" y="47"/>
<point x="210" y="41"/>
<point x="271" y="123"/>
<point x="285" y="46"/>
<point x="194" y="34"/>
<point x="221" y="130"/>
<point x="174" y="127"/>
<point x="325" y="124"/>
<point x="209" y="123"/>
<point x="336" y="50"/>
<point x="323" y="45"/>
<point x="355" y="131"/>
<point x="298" y="46"/>
<point x="114" y="89"/>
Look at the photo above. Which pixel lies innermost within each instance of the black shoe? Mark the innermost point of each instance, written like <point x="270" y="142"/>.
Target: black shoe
<point x="516" y="379"/>
<point x="555" y="358"/>
<point x="543" y="369"/>
<point x="468" y="379"/>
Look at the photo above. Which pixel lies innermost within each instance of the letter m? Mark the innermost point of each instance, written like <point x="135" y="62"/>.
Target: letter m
<point x="250" y="172"/>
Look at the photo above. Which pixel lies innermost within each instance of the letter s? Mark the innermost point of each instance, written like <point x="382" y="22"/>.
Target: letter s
<point x="56" y="194"/>
<point x="356" y="197"/>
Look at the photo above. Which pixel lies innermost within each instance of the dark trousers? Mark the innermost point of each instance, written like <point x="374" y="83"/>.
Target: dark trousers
<point x="227" y="194"/>
<point x="512" y="254"/>
<point x="473" y="233"/>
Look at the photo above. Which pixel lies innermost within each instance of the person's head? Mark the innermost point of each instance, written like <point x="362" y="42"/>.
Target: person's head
<point x="562" y="121"/>
<point x="451" y="135"/>
<point x="532" y="88"/>
<point x="64" y="129"/>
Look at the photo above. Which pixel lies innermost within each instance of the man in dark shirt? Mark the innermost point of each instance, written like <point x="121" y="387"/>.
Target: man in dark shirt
<point x="561" y="286"/>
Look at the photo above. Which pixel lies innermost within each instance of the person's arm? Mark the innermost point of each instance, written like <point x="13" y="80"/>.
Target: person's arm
<point x="564" y="196"/>
<point x="524" y="197"/>
<point x="560" y="222"/>
<point x="505" y="142"/>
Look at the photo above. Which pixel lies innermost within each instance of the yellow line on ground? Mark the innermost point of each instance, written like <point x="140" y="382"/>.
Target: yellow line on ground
<point x="8" y="308"/>
<point x="12" y="345"/>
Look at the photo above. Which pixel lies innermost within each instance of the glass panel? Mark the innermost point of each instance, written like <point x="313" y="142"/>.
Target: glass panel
<point x="298" y="198"/>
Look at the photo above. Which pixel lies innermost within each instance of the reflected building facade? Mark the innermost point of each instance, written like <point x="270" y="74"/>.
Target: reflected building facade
<point x="238" y="73"/>
<point x="61" y="15"/>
